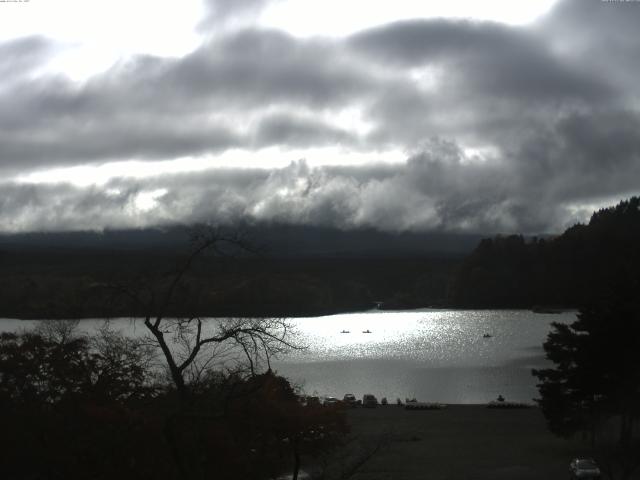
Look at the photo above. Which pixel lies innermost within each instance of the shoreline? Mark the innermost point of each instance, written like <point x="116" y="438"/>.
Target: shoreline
<point x="301" y="315"/>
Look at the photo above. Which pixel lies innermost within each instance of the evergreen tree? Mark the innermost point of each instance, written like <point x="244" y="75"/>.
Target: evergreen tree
<point x="597" y="366"/>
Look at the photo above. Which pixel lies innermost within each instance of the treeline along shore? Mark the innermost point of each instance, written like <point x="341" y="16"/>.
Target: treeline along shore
<point x="305" y="271"/>
<point x="286" y="271"/>
<point x="70" y="284"/>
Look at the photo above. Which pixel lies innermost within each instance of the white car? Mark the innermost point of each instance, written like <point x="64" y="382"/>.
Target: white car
<point x="581" y="468"/>
<point x="330" y="401"/>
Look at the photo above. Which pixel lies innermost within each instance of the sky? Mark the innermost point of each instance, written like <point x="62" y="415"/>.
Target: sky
<point x="477" y="117"/>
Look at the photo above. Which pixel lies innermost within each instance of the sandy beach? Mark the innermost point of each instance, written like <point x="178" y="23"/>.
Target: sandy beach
<point x="461" y="442"/>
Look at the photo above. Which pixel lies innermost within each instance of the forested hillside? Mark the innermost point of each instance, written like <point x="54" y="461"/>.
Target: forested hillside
<point x="311" y="272"/>
<point x="298" y="271"/>
<point x="511" y="271"/>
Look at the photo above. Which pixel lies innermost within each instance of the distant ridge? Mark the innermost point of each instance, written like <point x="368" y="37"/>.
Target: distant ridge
<point x="278" y="240"/>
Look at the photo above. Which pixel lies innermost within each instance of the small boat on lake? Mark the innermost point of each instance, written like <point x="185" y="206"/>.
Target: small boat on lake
<point x="487" y="335"/>
<point x="366" y="331"/>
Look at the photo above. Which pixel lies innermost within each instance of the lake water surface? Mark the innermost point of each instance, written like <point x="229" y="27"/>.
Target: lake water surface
<point x="433" y="355"/>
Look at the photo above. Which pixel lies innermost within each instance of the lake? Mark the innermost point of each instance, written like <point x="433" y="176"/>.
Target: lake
<point x="433" y="355"/>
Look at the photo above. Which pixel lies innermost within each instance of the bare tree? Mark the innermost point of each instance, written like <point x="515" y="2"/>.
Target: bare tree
<point x="191" y="344"/>
<point x="58" y="331"/>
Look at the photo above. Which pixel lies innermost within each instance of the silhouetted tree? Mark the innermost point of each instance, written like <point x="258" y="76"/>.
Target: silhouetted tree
<point x="189" y="344"/>
<point x="596" y="377"/>
<point x="92" y="406"/>
<point x="267" y="410"/>
<point x="45" y="370"/>
<point x="67" y="406"/>
<point x="193" y="348"/>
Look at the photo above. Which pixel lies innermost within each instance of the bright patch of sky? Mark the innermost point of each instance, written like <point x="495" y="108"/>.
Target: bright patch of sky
<point x="146" y="201"/>
<point x="94" y="34"/>
<point x="270" y="158"/>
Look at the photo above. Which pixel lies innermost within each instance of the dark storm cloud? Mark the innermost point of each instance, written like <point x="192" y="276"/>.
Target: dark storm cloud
<point x="491" y="82"/>
<point x="599" y="34"/>
<point x="413" y="42"/>
<point x="439" y="188"/>
<point x="584" y="156"/>
<point x="152" y="108"/>
<point x="299" y="131"/>
<point x="253" y="68"/>
<point x="491" y="58"/>
<point x="552" y="110"/>
<point x="75" y="143"/>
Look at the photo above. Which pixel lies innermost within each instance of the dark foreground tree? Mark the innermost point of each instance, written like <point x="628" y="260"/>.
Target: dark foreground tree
<point x="231" y="414"/>
<point x="594" y="386"/>
<point x="67" y="405"/>
<point x="82" y="407"/>
<point x="55" y="365"/>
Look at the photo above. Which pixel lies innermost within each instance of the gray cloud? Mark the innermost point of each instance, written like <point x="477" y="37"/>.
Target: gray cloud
<point x="492" y="58"/>
<point x="260" y="67"/>
<point x="298" y="131"/>
<point x="584" y="156"/>
<point x="222" y="11"/>
<point x="61" y="207"/>
<point x="74" y="143"/>
<point x="556" y="104"/>
<point x="20" y="56"/>
<point x="439" y="188"/>
<point x="600" y="36"/>
<point x="152" y="108"/>
<point x="487" y="83"/>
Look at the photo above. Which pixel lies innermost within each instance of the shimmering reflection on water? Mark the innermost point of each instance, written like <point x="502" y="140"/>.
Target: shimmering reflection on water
<point x="435" y="355"/>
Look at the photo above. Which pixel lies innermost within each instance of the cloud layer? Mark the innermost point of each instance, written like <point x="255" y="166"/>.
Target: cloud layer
<point x="504" y="128"/>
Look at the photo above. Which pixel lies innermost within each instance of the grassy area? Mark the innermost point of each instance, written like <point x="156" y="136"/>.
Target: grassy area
<point x="461" y="442"/>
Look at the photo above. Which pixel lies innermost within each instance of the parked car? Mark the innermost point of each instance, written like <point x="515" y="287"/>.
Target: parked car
<point x="331" y="401"/>
<point x="369" y="401"/>
<point x="583" y="468"/>
<point x="350" y="400"/>
<point x="313" y="402"/>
